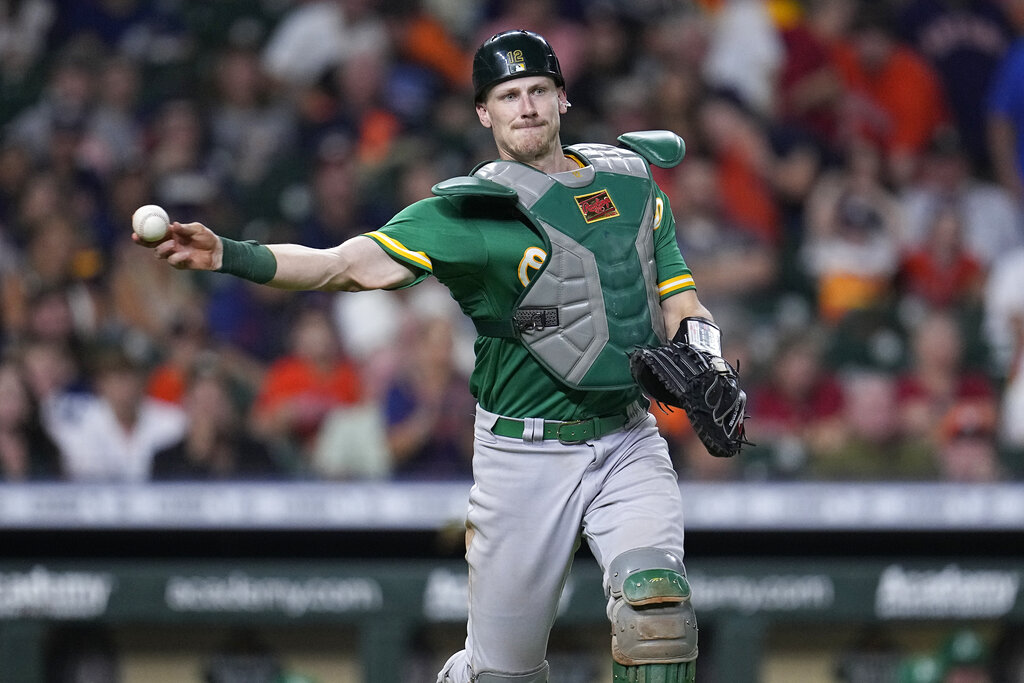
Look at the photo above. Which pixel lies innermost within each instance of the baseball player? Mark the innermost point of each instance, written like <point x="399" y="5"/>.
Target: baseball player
<point x="565" y="258"/>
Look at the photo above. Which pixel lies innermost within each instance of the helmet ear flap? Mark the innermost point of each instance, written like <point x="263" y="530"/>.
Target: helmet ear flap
<point x="513" y="54"/>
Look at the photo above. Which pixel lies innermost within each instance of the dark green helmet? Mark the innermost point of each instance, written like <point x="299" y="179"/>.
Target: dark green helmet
<point x="513" y="54"/>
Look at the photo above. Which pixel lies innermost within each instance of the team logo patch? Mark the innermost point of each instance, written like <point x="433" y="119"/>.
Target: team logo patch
<point x="597" y="206"/>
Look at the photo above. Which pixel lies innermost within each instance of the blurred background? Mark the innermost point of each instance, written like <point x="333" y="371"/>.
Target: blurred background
<point x="202" y="479"/>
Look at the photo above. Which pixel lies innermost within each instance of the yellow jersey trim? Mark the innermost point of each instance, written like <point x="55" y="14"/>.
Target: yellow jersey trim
<point x="572" y="157"/>
<point x="676" y="284"/>
<point x="399" y="249"/>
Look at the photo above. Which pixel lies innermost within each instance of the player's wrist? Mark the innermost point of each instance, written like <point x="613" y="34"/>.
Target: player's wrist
<point x="700" y="333"/>
<point x="217" y="254"/>
<point x="248" y="260"/>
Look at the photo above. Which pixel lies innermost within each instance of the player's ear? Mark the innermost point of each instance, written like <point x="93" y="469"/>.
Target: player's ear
<point x="483" y="115"/>
<point x="563" y="101"/>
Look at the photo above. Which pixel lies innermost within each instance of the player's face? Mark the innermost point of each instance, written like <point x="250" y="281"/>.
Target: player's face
<point x="524" y="115"/>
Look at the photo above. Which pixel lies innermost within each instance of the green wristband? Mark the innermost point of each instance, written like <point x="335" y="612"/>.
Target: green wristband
<point x="249" y="260"/>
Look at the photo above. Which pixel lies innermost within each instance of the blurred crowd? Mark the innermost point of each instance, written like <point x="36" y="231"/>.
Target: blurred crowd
<point x="850" y="205"/>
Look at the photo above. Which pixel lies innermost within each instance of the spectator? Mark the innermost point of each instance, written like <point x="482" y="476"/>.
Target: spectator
<point x="992" y="221"/>
<point x="851" y="247"/>
<point x="424" y="39"/>
<point x="80" y="186"/>
<point x="964" y="41"/>
<point x="15" y="171"/>
<point x="363" y="107"/>
<point x="810" y="92"/>
<point x="303" y="386"/>
<point x="352" y="444"/>
<point x="873" y="445"/>
<point x="671" y="51"/>
<point x="53" y="371"/>
<point x="677" y="104"/>
<point x="114" y="132"/>
<point x="250" y="320"/>
<point x="51" y="319"/>
<point x="967" y="452"/>
<point x="23" y="29"/>
<point x="148" y="301"/>
<point x="188" y="343"/>
<point x="138" y="28"/>
<point x="26" y="450"/>
<point x="609" y="64"/>
<point x="186" y="180"/>
<point x="937" y="380"/>
<point x="1004" y="332"/>
<point x="315" y="36"/>
<point x="124" y="191"/>
<point x="215" y="445"/>
<point x="745" y="54"/>
<point x="336" y="195"/>
<point x="251" y="127"/>
<point x="56" y="264"/>
<point x="799" y="404"/>
<point x="940" y="272"/>
<point x="745" y="166"/>
<point x="733" y="265"/>
<point x="178" y="158"/>
<point x="428" y="408"/>
<point x="107" y="133"/>
<point x="67" y="97"/>
<point x="113" y="434"/>
<point x="1005" y="122"/>
<point x="894" y="97"/>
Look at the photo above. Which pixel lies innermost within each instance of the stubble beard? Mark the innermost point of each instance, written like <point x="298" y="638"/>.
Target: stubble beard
<point x="530" y="144"/>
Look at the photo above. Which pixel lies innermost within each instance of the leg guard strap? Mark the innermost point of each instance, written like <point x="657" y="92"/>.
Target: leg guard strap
<point x="683" y="672"/>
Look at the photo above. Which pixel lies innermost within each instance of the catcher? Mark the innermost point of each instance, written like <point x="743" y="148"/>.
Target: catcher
<point x="566" y="260"/>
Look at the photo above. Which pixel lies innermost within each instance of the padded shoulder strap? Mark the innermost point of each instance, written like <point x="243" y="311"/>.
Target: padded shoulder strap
<point x="471" y="186"/>
<point x="663" y="148"/>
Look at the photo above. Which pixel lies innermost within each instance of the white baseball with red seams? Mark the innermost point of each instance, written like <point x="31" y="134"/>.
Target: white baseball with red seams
<point x="150" y="222"/>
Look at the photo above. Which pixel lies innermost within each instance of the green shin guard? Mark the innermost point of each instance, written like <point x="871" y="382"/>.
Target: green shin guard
<point x="681" y="672"/>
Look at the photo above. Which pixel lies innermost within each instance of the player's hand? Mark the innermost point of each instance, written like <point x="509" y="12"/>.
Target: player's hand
<point x="189" y="246"/>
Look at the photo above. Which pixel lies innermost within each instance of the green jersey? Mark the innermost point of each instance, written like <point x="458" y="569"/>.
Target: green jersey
<point x="486" y="253"/>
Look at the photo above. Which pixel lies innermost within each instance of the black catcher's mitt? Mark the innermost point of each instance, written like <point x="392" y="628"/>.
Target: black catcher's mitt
<point x="701" y="383"/>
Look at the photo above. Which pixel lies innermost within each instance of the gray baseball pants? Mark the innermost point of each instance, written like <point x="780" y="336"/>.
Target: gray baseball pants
<point x="530" y="502"/>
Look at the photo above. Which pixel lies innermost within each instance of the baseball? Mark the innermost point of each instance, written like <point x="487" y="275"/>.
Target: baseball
<point x="150" y="222"/>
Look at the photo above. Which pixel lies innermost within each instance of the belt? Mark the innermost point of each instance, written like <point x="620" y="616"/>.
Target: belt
<point x="572" y="432"/>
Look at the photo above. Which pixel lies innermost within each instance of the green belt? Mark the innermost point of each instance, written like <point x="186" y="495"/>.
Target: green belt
<point x="573" y="432"/>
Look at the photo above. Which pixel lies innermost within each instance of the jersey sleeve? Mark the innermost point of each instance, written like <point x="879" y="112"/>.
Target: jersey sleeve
<point x="673" y="274"/>
<point x="432" y="239"/>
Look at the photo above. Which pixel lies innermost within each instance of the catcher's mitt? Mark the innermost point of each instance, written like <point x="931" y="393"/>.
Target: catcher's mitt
<point x="701" y="383"/>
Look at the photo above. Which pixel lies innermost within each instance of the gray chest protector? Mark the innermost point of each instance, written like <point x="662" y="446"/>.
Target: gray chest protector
<point x="595" y="297"/>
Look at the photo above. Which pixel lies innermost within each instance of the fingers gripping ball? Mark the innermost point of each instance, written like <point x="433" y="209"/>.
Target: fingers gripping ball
<point x="150" y="222"/>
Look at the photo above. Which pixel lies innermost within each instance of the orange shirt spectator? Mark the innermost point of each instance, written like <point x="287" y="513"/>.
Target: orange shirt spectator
<point x="906" y="91"/>
<point x="895" y="98"/>
<point x="302" y="387"/>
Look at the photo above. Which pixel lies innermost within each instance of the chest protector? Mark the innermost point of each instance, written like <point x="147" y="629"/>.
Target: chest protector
<point x="595" y="296"/>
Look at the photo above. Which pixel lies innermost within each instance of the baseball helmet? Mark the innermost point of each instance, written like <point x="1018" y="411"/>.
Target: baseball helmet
<point x="513" y="54"/>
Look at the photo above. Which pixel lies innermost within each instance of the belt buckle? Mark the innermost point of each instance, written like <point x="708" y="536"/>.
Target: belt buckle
<point x="580" y="438"/>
